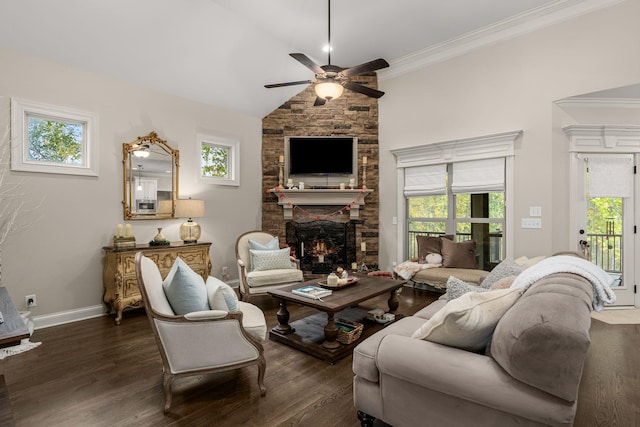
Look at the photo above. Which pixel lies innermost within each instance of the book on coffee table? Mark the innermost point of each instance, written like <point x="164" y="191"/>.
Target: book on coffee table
<point x="311" y="291"/>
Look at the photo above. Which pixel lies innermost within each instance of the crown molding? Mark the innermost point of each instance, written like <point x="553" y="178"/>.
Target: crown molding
<point x="503" y="30"/>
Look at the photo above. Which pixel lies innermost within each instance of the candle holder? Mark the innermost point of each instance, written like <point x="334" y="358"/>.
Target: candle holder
<point x="364" y="175"/>
<point x="280" y="173"/>
<point x="363" y="267"/>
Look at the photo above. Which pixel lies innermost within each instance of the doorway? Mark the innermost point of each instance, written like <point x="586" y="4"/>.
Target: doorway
<point x="605" y="218"/>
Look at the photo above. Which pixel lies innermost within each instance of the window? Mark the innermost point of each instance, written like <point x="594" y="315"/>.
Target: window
<point x="475" y="216"/>
<point x="460" y="187"/>
<point x="52" y="139"/>
<point x="219" y="160"/>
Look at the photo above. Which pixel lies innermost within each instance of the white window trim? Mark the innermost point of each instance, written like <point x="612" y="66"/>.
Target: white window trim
<point x="234" y="160"/>
<point x="21" y="108"/>
<point x="482" y="147"/>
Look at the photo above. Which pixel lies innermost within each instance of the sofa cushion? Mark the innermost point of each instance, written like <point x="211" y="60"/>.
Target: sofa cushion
<point x="456" y="288"/>
<point x="262" y="260"/>
<point x="428" y="312"/>
<point x="364" y="354"/>
<point x="543" y="340"/>
<point x="437" y="277"/>
<point x="469" y="321"/>
<point x="185" y="289"/>
<point x="508" y="267"/>
<point x="459" y="255"/>
<point x="253" y="320"/>
<point x="256" y="279"/>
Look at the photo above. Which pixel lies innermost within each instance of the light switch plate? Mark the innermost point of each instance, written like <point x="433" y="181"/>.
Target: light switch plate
<point x="531" y="223"/>
<point x="535" y="210"/>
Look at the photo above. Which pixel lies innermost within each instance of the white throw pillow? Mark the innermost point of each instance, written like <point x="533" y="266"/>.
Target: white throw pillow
<point x="184" y="289"/>
<point x="271" y="245"/>
<point x="468" y="321"/>
<point x="220" y="295"/>
<point x="270" y="260"/>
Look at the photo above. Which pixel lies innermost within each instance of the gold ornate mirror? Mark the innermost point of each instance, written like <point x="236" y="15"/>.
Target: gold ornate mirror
<point x="150" y="178"/>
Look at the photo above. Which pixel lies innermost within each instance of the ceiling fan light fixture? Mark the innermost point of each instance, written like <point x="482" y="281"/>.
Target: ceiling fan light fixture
<point x="329" y="90"/>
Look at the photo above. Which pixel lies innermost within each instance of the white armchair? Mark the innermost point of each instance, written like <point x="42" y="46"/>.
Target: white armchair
<point x="204" y="341"/>
<point x="259" y="281"/>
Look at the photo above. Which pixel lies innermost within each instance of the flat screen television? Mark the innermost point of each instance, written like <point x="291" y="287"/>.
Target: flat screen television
<point x="321" y="161"/>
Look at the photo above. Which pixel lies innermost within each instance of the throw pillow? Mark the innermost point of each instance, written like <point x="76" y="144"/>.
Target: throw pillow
<point x="468" y="322"/>
<point x="270" y="260"/>
<point x="271" y="245"/>
<point x="525" y="262"/>
<point x="456" y="288"/>
<point x="508" y="267"/>
<point x="503" y="283"/>
<point x="220" y="295"/>
<point x="459" y="255"/>
<point x="185" y="289"/>
<point x="428" y="245"/>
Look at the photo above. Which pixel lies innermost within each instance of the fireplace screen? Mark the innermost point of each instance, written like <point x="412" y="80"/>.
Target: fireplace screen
<point x="322" y="246"/>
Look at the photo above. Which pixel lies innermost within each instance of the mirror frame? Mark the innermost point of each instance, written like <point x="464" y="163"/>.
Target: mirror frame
<point x="152" y="140"/>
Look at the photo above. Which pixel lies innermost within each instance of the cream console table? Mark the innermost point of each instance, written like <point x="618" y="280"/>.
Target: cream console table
<point x="119" y="275"/>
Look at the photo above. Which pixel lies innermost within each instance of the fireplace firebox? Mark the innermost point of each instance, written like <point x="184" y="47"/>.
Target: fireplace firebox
<point x="322" y="246"/>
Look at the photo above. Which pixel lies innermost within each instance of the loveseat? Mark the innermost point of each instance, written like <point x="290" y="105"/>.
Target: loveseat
<point x="528" y="374"/>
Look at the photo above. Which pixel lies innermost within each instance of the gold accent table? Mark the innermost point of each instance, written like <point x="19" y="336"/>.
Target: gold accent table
<point x="119" y="275"/>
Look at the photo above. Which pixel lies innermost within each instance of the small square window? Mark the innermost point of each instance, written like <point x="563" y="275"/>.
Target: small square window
<point x="219" y="160"/>
<point x="52" y="139"/>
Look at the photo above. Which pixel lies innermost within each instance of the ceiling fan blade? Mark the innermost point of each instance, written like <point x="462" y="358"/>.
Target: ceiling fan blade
<point x="301" y="82"/>
<point x="304" y="60"/>
<point x="319" y="101"/>
<point x="376" y="64"/>
<point x="357" y="87"/>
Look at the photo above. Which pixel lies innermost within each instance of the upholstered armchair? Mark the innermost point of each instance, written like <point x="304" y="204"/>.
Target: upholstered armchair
<point x="263" y="265"/>
<point x="203" y="341"/>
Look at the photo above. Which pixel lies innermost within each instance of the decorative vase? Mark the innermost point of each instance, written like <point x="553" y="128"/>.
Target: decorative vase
<point x="159" y="237"/>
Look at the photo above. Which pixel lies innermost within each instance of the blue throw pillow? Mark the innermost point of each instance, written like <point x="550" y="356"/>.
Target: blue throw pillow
<point x="185" y="289"/>
<point x="271" y="245"/>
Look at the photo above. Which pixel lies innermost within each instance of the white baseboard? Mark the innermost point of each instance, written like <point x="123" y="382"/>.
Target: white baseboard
<point x="62" y="317"/>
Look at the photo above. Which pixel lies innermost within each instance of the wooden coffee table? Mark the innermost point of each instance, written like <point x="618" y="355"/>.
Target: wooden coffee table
<point x="343" y="301"/>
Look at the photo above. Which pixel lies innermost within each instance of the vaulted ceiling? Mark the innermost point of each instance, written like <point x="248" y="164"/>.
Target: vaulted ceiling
<point x="222" y="52"/>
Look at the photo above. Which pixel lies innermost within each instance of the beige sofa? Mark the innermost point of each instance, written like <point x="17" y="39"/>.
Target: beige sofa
<point x="528" y="376"/>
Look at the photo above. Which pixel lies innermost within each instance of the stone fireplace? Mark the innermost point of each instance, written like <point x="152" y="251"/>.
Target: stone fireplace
<point x="353" y="115"/>
<point x="322" y="246"/>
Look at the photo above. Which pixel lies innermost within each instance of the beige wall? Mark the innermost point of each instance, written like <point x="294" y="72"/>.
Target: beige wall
<point x="56" y="254"/>
<point x="508" y="86"/>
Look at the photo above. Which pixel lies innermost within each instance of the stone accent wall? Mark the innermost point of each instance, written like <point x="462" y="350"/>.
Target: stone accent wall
<point x="353" y="115"/>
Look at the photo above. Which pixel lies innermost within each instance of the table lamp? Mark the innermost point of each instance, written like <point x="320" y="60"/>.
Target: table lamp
<point x="189" y="208"/>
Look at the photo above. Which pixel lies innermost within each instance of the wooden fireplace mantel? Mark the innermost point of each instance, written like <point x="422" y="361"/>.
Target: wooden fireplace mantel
<point x="322" y="197"/>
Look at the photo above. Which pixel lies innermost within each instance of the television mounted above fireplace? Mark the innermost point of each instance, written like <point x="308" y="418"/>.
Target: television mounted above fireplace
<point x="321" y="161"/>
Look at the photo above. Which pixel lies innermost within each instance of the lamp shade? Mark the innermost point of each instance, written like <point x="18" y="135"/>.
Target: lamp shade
<point x="189" y="208"/>
<point x="329" y="90"/>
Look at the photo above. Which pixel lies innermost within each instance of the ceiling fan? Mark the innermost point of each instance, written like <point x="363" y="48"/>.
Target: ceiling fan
<point x="330" y="80"/>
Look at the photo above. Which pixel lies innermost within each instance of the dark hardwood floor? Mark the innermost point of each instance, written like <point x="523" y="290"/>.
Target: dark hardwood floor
<point x="92" y="373"/>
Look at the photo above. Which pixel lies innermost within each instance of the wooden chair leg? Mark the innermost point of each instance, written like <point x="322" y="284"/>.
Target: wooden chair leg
<point x="166" y="383"/>
<point x="262" y="367"/>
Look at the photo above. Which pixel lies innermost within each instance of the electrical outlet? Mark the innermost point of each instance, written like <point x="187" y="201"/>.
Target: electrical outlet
<point x="30" y="301"/>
